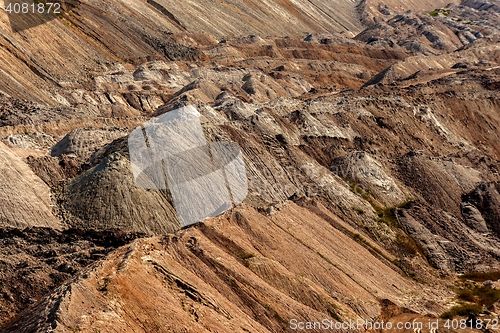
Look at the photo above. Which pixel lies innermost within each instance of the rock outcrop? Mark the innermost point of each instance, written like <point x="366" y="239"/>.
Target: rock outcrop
<point x="25" y="199"/>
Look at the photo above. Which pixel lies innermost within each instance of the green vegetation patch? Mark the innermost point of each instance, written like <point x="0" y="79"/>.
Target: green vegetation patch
<point x="246" y="255"/>
<point x="358" y="210"/>
<point x="481" y="277"/>
<point x="333" y="314"/>
<point x="437" y="11"/>
<point x="480" y="295"/>
<point x="408" y="245"/>
<point x="473" y="295"/>
<point x="463" y="310"/>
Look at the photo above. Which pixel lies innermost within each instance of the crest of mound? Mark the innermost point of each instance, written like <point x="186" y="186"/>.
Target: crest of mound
<point x="203" y="89"/>
<point x="361" y="167"/>
<point x="82" y="141"/>
<point x="25" y="197"/>
<point x="106" y="196"/>
<point x="420" y="68"/>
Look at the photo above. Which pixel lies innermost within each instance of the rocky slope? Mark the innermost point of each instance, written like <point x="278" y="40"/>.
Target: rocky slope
<point x="37" y="260"/>
<point x="241" y="272"/>
<point x="376" y="11"/>
<point x="366" y="157"/>
<point x="25" y="197"/>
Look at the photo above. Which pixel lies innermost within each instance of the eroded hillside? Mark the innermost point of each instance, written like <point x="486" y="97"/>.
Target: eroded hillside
<point x="373" y="163"/>
<point x="244" y="272"/>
